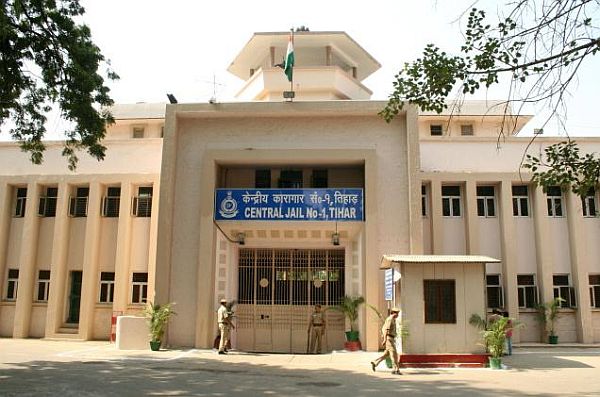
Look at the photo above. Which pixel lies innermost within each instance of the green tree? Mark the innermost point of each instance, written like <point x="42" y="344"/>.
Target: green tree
<point x="536" y="45"/>
<point x="47" y="58"/>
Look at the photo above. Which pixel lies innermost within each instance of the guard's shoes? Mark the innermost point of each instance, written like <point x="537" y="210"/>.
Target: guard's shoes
<point x="222" y="352"/>
<point x="373" y="366"/>
<point x="396" y="372"/>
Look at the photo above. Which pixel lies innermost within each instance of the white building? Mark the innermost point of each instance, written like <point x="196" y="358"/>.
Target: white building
<point x="76" y="247"/>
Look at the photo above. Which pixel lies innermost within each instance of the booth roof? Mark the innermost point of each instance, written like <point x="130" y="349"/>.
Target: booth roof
<point x="387" y="260"/>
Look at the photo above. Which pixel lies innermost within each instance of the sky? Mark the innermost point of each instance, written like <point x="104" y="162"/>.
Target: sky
<point x="182" y="46"/>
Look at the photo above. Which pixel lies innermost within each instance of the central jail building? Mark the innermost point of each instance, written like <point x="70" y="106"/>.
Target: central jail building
<point x="282" y="204"/>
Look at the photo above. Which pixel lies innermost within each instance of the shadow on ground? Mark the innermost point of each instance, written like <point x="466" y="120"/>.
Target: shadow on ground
<point x="210" y="377"/>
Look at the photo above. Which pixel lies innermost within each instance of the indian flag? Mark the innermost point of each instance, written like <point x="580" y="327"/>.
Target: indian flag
<point x="288" y="67"/>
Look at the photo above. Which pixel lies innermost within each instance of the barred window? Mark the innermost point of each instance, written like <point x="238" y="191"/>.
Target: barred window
<point x="43" y="284"/>
<point x="436" y="130"/>
<point x="527" y="291"/>
<point x="440" y="301"/>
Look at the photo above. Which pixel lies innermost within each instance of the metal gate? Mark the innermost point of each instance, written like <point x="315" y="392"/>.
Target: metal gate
<point x="277" y="289"/>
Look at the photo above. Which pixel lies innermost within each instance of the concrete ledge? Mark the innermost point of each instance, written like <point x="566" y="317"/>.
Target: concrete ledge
<point x="529" y="345"/>
<point x="132" y="333"/>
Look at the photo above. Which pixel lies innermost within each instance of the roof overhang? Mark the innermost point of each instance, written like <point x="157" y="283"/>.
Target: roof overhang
<point x="388" y="261"/>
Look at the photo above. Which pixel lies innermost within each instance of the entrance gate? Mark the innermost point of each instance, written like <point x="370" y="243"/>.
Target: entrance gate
<point x="277" y="289"/>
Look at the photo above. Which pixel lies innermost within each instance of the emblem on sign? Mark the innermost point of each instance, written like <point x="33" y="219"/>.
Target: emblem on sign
<point x="228" y="207"/>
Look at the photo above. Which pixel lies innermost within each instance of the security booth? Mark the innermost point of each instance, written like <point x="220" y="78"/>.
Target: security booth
<point x="437" y="294"/>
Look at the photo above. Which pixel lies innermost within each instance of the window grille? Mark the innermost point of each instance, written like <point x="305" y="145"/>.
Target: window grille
<point x="436" y="130"/>
<point x="466" y="129"/>
<point x="142" y="204"/>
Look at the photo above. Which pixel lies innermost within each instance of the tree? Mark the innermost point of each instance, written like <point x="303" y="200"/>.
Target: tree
<point x="47" y="58"/>
<point x="539" y="45"/>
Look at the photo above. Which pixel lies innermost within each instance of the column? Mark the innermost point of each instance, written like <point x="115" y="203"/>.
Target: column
<point x="122" y="255"/>
<point x="437" y="231"/>
<point x="27" y="263"/>
<point x="471" y="221"/>
<point x="90" y="280"/>
<point x="58" y="269"/>
<point x="543" y="242"/>
<point x="579" y="268"/>
<point x="509" y="252"/>
<point x="413" y="175"/>
<point x="152" y="242"/>
<point x="5" y="218"/>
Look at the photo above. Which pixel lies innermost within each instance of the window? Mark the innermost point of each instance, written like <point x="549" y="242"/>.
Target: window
<point x="142" y="204"/>
<point x="486" y="201"/>
<point x="139" y="292"/>
<point x="138" y="132"/>
<point x="435" y="130"/>
<point x="319" y="178"/>
<point x="520" y="200"/>
<point x="451" y="201"/>
<point x="554" y="201"/>
<point x="20" y="202"/>
<point x="43" y="284"/>
<point x="440" y="301"/>
<point x="262" y="179"/>
<point x="595" y="290"/>
<point x="466" y="129"/>
<point x="107" y="287"/>
<point x="527" y="291"/>
<point x="495" y="298"/>
<point x="562" y="289"/>
<point x="111" y="202"/>
<point x="78" y="205"/>
<point x="47" y="207"/>
<point x="588" y="204"/>
<point x="162" y="131"/>
<point x="12" y="284"/>
<point x="424" y="200"/>
<point x="291" y="179"/>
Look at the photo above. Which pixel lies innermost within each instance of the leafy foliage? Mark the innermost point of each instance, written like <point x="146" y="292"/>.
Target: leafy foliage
<point x="47" y="58"/>
<point x="493" y="332"/>
<point x="542" y="42"/>
<point x="548" y="312"/>
<point x="563" y="165"/>
<point x="349" y="307"/>
<point x="158" y="317"/>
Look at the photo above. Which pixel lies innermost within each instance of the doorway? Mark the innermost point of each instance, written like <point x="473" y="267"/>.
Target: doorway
<point x="74" y="297"/>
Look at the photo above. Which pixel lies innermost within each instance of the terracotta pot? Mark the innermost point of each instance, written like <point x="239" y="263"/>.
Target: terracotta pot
<point x="352" y="346"/>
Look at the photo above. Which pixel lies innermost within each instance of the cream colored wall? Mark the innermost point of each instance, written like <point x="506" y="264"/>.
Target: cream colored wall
<point x="76" y="243"/>
<point x="525" y="246"/>
<point x="531" y="330"/>
<point x="123" y="129"/>
<point x="454" y="236"/>
<point x="102" y="323"/>
<point x="139" y="244"/>
<point x="14" y="242"/>
<point x="108" y="244"/>
<point x="489" y="242"/>
<point x="442" y="338"/>
<point x="566" y="328"/>
<point x="560" y="245"/>
<point x="44" y="251"/>
<point x="592" y="236"/>
<point x="7" y="314"/>
<point x="312" y="136"/>
<point x="37" y="327"/>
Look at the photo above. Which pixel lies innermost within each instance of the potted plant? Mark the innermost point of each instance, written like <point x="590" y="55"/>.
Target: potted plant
<point x="349" y="307"/>
<point x="493" y="332"/>
<point x="547" y="314"/>
<point x="158" y="318"/>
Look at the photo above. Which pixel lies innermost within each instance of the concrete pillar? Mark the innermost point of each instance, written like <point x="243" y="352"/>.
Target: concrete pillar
<point x="58" y="269"/>
<point x="5" y="218"/>
<point x="543" y="243"/>
<point x="413" y="169"/>
<point x="122" y="255"/>
<point x="272" y="55"/>
<point x="27" y="263"/>
<point x="90" y="281"/>
<point x="152" y="242"/>
<point x="509" y="252"/>
<point x="579" y="268"/>
<point x="471" y="219"/>
<point x="437" y="231"/>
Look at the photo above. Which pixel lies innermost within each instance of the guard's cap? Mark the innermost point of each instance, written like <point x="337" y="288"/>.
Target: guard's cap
<point x="223" y="300"/>
<point x="394" y="310"/>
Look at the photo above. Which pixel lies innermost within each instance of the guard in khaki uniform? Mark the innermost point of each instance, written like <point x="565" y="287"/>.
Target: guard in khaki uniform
<point x="225" y="325"/>
<point x="316" y="328"/>
<point x="389" y="339"/>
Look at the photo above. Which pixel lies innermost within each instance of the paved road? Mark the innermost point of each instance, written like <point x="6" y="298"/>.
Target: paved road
<point x="48" y="368"/>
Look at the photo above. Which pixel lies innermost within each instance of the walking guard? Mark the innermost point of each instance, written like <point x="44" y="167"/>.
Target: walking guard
<point x="389" y="333"/>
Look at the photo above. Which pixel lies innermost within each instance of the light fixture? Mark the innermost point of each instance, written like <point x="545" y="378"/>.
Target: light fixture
<point x="335" y="237"/>
<point x="241" y="238"/>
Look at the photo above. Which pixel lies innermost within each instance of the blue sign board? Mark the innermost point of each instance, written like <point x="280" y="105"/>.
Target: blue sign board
<point x="389" y="284"/>
<point x="289" y="205"/>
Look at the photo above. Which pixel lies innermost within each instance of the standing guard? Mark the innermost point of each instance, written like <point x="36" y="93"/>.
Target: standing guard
<point x="225" y="325"/>
<point x="316" y="328"/>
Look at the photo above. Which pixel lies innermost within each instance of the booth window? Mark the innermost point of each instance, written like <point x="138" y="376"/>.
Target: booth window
<point x="440" y="301"/>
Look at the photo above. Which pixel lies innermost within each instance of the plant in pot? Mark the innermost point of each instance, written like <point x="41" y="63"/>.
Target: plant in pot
<point x="547" y="314"/>
<point x="158" y="317"/>
<point x="493" y="332"/>
<point x="349" y="307"/>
